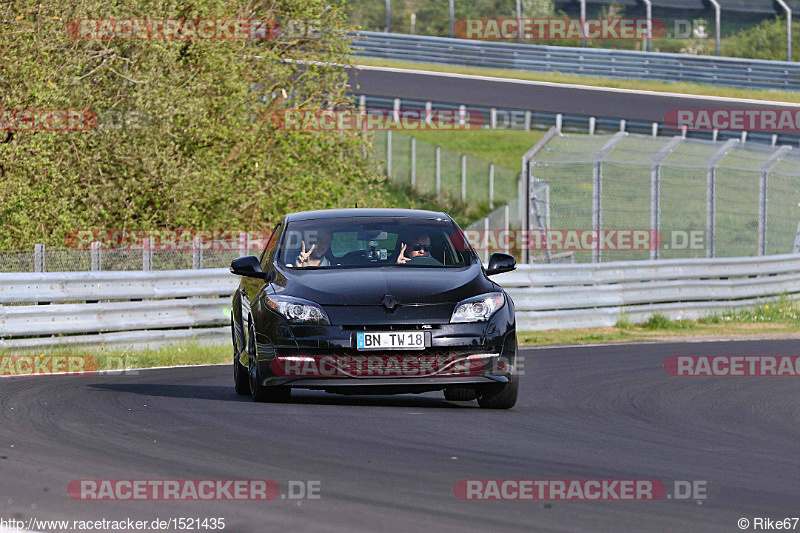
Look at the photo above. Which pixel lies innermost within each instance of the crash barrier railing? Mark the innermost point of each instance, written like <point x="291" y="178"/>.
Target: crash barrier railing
<point x="721" y="71"/>
<point x="127" y="308"/>
<point x="151" y="308"/>
<point x="549" y="296"/>
<point x="500" y="117"/>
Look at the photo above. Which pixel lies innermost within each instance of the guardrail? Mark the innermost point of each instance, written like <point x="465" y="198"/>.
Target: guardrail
<point x="721" y="71"/>
<point x="114" y="308"/>
<point x="597" y="294"/>
<point x="152" y="308"/>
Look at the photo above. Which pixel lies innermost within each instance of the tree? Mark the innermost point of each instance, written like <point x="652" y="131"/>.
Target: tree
<point x="202" y="150"/>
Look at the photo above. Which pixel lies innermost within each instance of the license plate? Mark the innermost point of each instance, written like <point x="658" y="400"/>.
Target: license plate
<point x="390" y="340"/>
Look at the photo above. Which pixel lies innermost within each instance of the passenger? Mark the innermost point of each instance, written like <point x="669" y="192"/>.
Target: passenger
<point x="317" y="254"/>
<point x="418" y="247"/>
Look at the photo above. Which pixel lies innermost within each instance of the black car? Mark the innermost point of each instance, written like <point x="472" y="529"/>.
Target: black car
<point x="373" y="301"/>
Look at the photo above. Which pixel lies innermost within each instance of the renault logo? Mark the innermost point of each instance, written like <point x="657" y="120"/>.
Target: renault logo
<point x="389" y="302"/>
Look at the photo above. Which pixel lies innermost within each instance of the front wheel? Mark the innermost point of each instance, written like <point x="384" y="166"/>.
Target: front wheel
<point x="240" y="378"/>
<point x="500" y="395"/>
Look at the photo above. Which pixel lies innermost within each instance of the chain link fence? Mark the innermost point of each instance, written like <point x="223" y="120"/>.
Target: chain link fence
<point x="697" y="198"/>
<point x="211" y="254"/>
<point x="434" y="171"/>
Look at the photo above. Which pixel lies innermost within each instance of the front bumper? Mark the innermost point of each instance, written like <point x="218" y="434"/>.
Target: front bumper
<point x="325" y="357"/>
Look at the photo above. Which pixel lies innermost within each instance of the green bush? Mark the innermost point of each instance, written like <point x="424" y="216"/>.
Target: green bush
<point x="764" y="41"/>
<point x="204" y="152"/>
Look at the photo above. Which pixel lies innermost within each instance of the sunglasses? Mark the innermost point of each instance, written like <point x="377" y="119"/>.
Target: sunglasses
<point x="423" y="247"/>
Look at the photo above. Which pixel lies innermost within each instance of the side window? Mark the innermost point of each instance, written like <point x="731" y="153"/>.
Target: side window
<point x="269" y="250"/>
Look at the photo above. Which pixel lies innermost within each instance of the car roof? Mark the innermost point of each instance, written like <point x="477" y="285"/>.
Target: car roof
<point x="365" y="212"/>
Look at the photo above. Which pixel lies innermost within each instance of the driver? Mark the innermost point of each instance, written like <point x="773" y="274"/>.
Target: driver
<point x="416" y="246"/>
<point x="316" y="254"/>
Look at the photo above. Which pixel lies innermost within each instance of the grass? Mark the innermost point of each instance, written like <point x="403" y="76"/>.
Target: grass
<point x="557" y="77"/>
<point x="98" y="358"/>
<point x="777" y="317"/>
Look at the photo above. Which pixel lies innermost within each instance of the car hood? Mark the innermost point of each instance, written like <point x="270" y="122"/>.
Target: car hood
<point x="368" y="286"/>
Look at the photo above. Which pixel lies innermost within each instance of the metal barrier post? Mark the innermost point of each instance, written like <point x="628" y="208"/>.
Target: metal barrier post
<point x="147" y="254"/>
<point x="38" y="258"/>
<point x="463" y="178"/>
<point x="762" y="197"/>
<point x="597" y="191"/>
<point x="655" y="190"/>
<point x="197" y="253"/>
<point x="244" y="244"/>
<point x="96" y="251"/>
<point x="389" y="154"/>
<point x="413" y="163"/>
<point x="438" y="171"/>
<point x="491" y="185"/>
<point x="711" y="196"/>
<point x="788" y="29"/>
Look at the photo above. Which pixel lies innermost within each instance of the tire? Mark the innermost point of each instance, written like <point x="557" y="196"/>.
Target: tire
<point x="259" y="392"/>
<point x="456" y="393"/>
<point x="499" y="396"/>
<point x="241" y="380"/>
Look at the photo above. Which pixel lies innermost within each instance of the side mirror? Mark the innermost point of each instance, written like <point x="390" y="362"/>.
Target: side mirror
<point x="499" y="263"/>
<point x="247" y="266"/>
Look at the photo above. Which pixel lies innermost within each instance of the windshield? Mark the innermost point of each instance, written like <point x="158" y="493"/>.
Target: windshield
<point x="374" y="242"/>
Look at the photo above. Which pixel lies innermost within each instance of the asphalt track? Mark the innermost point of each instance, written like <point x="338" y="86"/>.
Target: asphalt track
<point x="538" y="96"/>
<point x="389" y="463"/>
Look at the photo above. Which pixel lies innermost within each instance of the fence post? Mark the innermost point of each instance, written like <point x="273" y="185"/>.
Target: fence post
<point x="655" y="129"/>
<point x="527" y="121"/>
<point x="389" y="154"/>
<point x="452" y="16"/>
<point x="788" y="29"/>
<point x="244" y="244"/>
<point x="592" y="125"/>
<point x="486" y="239"/>
<point x="506" y="228"/>
<point x="396" y="113"/>
<point x="38" y="258"/>
<point x="493" y="118"/>
<point x="491" y="185"/>
<point x="597" y="191"/>
<point x="413" y="163"/>
<point x="388" y="16"/>
<point x="711" y="196"/>
<point x="197" y="253"/>
<point x="428" y="113"/>
<point x="463" y="178"/>
<point x="147" y="254"/>
<point x="655" y="191"/>
<point x="559" y="121"/>
<point x="462" y="115"/>
<point x="762" y="197"/>
<point x="96" y="251"/>
<point x="438" y="171"/>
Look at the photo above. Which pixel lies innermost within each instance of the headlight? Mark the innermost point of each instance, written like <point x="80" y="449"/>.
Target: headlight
<point x="478" y="309"/>
<point x="297" y="310"/>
